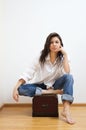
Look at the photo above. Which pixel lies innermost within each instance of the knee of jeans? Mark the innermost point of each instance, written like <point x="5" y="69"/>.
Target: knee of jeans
<point x="20" y="91"/>
<point x="69" y="77"/>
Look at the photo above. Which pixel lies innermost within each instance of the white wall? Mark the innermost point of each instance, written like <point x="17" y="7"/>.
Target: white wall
<point x="26" y="24"/>
<point x="1" y="55"/>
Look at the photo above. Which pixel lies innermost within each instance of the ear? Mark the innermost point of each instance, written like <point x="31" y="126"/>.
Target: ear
<point x="61" y="45"/>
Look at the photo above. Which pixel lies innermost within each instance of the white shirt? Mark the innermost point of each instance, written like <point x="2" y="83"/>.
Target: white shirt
<point x="47" y="74"/>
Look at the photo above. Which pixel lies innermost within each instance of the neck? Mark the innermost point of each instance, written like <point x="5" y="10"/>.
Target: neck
<point x="53" y="57"/>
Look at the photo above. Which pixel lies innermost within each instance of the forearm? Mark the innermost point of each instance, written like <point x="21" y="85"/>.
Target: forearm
<point x="66" y="64"/>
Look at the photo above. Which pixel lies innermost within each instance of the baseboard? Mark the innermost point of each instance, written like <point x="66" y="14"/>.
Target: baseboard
<point x="79" y="104"/>
<point x="30" y="105"/>
<point x="17" y="105"/>
<point x="1" y="107"/>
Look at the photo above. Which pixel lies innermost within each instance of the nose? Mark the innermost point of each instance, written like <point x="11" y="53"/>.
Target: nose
<point x="54" y="44"/>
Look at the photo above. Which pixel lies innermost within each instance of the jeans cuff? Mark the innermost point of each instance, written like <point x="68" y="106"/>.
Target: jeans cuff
<point x="67" y="97"/>
<point x="38" y="91"/>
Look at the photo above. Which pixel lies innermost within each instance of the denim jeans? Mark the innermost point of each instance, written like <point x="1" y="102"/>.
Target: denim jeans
<point x="65" y="83"/>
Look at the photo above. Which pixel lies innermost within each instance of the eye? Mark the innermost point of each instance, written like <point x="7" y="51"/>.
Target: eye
<point x="51" y="42"/>
<point x="56" y="42"/>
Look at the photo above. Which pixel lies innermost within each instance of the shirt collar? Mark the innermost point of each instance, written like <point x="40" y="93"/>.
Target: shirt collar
<point x="48" y="58"/>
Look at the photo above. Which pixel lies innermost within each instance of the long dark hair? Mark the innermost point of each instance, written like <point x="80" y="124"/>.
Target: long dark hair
<point x="46" y="49"/>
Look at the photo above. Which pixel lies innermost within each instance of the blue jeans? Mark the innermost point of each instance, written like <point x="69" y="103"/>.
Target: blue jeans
<point x="65" y="83"/>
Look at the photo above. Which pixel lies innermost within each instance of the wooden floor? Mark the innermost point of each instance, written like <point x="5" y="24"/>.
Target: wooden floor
<point x="20" y="118"/>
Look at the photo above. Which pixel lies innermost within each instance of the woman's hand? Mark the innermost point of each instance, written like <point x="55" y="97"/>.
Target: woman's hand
<point x="62" y="50"/>
<point x="15" y="91"/>
<point x="15" y="95"/>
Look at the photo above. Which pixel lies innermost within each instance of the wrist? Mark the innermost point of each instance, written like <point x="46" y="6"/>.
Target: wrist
<point x="65" y="54"/>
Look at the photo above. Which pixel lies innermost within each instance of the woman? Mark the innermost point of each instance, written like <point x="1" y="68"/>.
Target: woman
<point x="50" y="73"/>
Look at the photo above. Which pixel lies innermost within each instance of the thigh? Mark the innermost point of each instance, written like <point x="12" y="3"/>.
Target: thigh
<point x="30" y="89"/>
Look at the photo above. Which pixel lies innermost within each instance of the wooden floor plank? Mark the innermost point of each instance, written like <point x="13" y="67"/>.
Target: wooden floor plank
<point x="20" y="118"/>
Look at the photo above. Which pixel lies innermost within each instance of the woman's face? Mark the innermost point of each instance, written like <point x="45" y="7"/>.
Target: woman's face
<point x="55" y="44"/>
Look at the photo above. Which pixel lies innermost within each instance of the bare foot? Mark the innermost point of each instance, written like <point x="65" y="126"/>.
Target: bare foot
<point x="51" y="91"/>
<point x="68" y="118"/>
<point x="58" y="91"/>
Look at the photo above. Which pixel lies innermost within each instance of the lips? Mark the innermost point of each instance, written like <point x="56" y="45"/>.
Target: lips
<point x="54" y="48"/>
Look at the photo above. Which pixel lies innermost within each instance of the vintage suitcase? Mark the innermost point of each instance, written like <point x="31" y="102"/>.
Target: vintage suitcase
<point x="45" y="106"/>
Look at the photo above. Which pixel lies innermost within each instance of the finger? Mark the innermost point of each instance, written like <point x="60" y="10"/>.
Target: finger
<point x="17" y="97"/>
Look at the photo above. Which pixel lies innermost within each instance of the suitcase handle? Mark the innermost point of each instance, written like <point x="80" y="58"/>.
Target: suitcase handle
<point x="44" y="105"/>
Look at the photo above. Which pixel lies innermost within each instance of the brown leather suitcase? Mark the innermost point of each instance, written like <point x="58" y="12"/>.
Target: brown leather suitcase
<point x="45" y="106"/>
